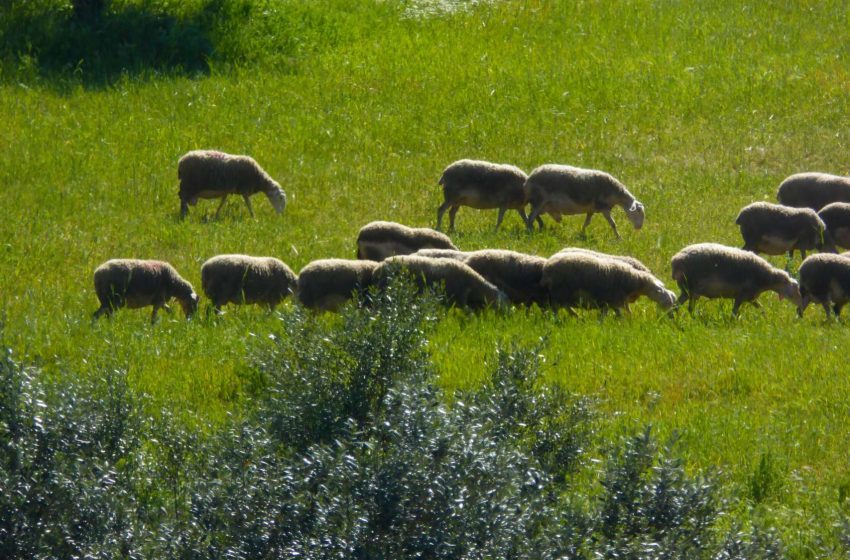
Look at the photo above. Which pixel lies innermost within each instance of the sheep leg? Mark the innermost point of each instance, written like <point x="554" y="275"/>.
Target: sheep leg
<point x="107" y="309"/>
<point x="739" y="301"/>
<point x="440" y="211"/>
<point x="523" y="215"/>
<point x="534" y="215"/>
<point x="184" y="208"/>
<point x="586" y="222"/>
<point x="153" y="315"/>
<point x="607" y="214"/>
<point x="826" y="308"/>
<point x="502" y="211"/>
<point x="247" y="200"/>
<point x="220" y="205"/>
<point x="452" y="214"/>
<point x="804" y="303"/>
<point x="692" y="300"/>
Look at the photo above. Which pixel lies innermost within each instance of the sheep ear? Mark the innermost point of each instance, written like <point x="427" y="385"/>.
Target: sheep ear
<point x="635" y="205"/>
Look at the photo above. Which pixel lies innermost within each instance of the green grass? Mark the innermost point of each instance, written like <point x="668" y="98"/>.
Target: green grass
<point x="698" y="108"/>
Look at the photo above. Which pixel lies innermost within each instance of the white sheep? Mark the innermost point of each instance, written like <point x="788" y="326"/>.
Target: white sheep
<point x="246" y="279"/>
<point x="378" y="240"/>
<point x="717" y="271"/>
<point x="576" y="279"/>
<point x="836" y="218"/>
<point x="813" y="190"/>
<point x="482" y="185"/>
<point x="631" y="261"/>
<point x="327" y="284"/>
<point x="518" y="275"/>
<point x="212" y="174"/>
<point x="463" y="286"/>
<point x="564" y="190"/>
<point x="773" y="229"/>
<point x="135" y="283"/>
<point x="825" y="279"/>
<point x="442" y="254"/>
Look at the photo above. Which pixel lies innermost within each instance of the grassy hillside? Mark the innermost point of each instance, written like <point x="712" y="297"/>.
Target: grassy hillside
<point x="698" y="109"/>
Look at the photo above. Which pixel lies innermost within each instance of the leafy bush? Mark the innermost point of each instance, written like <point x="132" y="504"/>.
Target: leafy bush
<point x="347" y="450"/>
<point x="63" y="448"/>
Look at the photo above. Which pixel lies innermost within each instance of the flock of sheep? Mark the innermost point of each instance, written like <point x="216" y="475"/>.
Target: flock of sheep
<point x="813" y="214"/>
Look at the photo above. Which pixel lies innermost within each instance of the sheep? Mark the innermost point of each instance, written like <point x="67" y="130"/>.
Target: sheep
<point x="718" y="271"/>
<point x="631" y="261"/>
<point x="562" y="189"/>
<point x="825" y="279"/>
<point x="517" y="274"/>
<point x="379" y="240"/>
<point x="442" y="254"/>
<point x="813" y="190"/>
<point x="581" y="279"/>
<point x="773" y="229"/>
<point x="463" y="286"/>
<point x="245" y="279"/>
<point x="328" y="284"/>
<point x="836" y="218"/>
<point x="135" y="283"/>
<point x="482" y="185"/>
<point x="212" y="174"/>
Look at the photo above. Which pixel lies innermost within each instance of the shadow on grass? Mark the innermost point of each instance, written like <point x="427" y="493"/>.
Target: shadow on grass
<point x="54" y="46"/>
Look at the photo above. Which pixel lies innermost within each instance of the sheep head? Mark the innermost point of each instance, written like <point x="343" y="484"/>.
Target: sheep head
<point x="190" y="304"/>
<point x="278" y="199"/>
<point x="790" y="289"/>
<point x="636" y="213"/>
<point x="662" y="296"/>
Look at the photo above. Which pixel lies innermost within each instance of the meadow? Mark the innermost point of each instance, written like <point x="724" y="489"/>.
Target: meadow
<point x="356" y="107"/>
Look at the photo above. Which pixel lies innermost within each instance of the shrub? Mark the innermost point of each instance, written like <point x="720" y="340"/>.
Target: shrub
<point x="347" y="450"/>
<point x="63" y="447"/>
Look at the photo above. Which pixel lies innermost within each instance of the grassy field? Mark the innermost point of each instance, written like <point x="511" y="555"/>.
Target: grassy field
<point x="699" y="108"/>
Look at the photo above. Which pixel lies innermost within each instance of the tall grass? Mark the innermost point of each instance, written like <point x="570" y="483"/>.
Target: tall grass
<point x="356" y="108"/>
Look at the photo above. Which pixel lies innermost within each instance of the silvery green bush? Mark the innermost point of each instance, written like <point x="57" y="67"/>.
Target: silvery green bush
<point x="347" y="448"/>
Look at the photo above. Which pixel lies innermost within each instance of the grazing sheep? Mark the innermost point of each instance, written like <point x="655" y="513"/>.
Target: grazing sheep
<point x="463" y="286"/>
<point x="482" y="185"/>
<point x="825" y="279"/>
<point x="442" y="254"/>
<point x="517" y="274"/>
<point x="379" y="240"/>
<point x="836" y="218"/>
<point x="328" y="284"/>
<point x="246" y="279"/>
<point x="137" y="283"/>
<point x="580" y="279"/>
<point x="211" y="174"/>
<point x="561" y="189"/>
<point x="631" y="261"/>
<point x="718" y="271"/>
<point x="813" y="190"/>
<point x="773" y="229"/>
